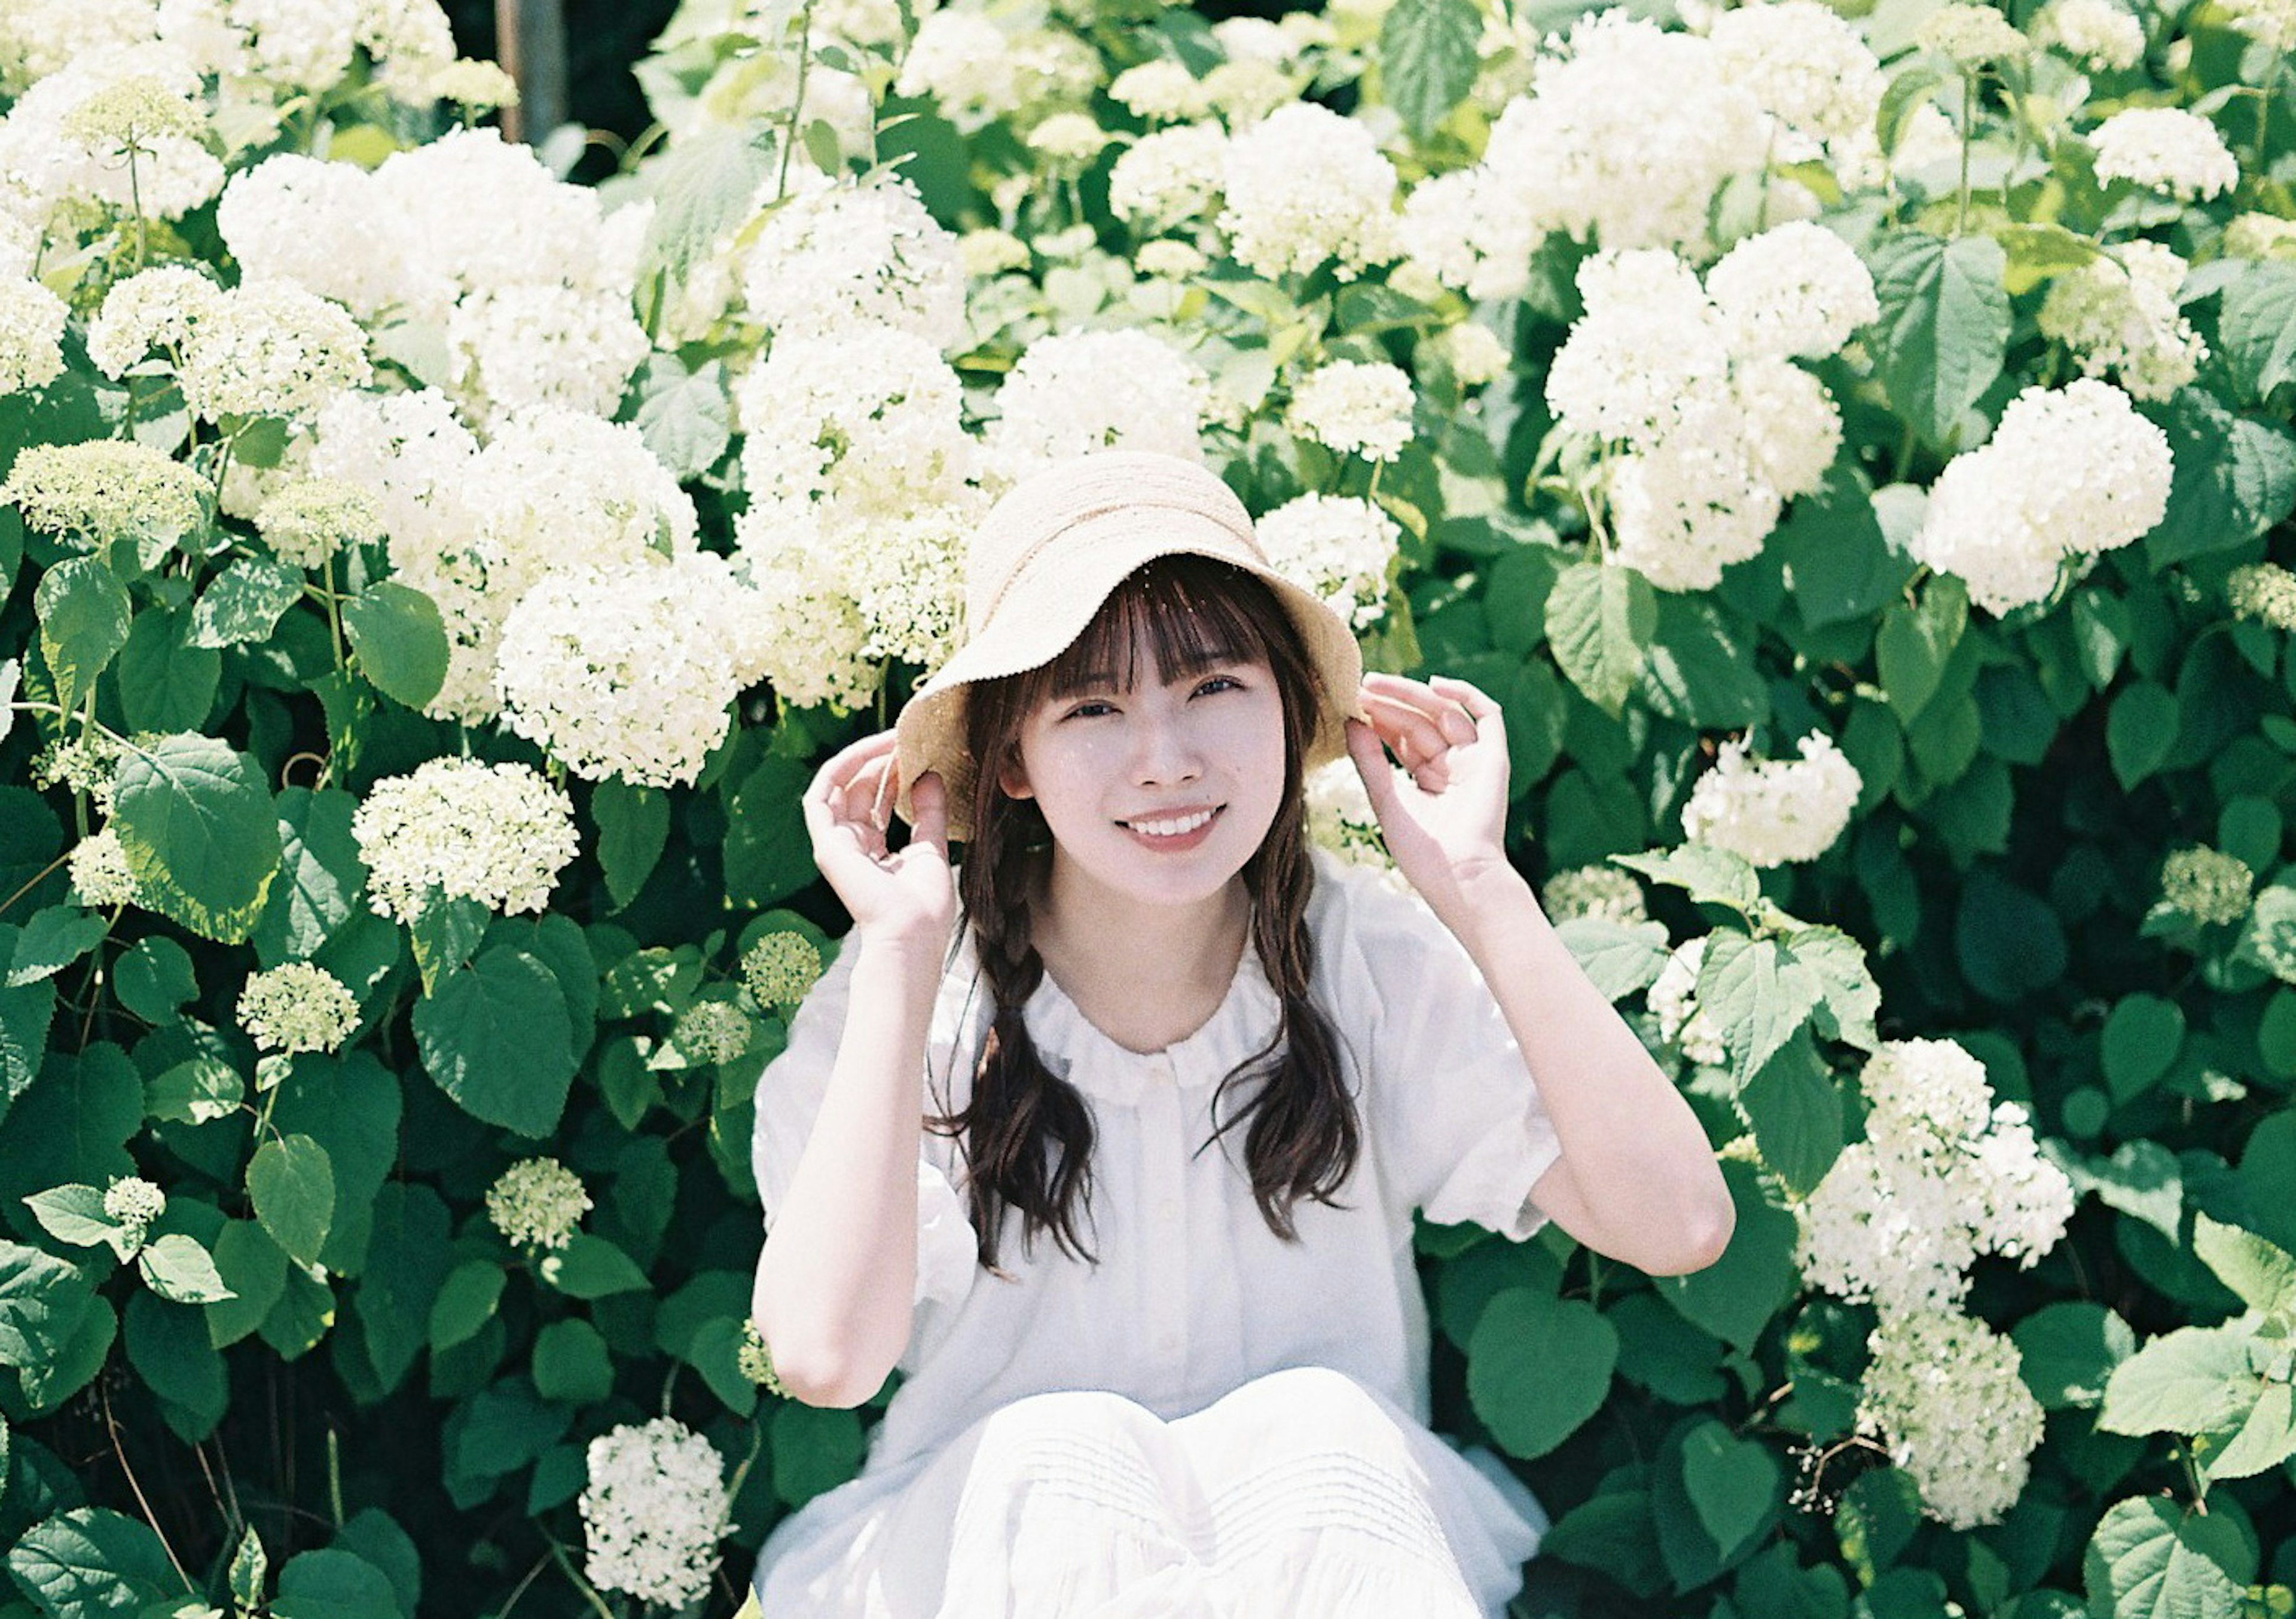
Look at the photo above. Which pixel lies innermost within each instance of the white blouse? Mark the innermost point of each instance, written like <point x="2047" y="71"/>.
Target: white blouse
<point x="1193" y="1295"/>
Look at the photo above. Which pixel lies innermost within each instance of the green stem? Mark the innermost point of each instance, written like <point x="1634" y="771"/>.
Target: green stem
<point x="797" y="100"/>
<point x="589" y="1591"/>
<point x="38" y="877"/>
<point x="135" y="198"/>
<point x="1968" y="140"/>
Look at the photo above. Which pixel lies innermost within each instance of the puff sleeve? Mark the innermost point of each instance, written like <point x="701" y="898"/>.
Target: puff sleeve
<point x="788" y="1097"/>
<point x="1452" y="1107"/>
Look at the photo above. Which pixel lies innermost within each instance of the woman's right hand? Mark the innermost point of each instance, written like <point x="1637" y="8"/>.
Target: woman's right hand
<point x="906" y="897"/>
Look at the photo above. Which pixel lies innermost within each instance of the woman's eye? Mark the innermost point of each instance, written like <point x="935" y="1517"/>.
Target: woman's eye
<point x="1092" y="710"/>
<point x="1220" y="682"/>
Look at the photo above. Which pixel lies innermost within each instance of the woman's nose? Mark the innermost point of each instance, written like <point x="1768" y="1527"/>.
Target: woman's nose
<point x="1164" y="749"/>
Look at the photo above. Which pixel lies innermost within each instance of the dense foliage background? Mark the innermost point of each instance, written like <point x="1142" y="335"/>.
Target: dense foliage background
<point x="345" y="443"/>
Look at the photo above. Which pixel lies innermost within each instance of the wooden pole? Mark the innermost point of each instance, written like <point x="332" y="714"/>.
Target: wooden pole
<point x="530" y="41"/>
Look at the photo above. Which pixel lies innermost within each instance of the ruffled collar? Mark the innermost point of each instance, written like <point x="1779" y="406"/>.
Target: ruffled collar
<point x="1097" y="1066"/>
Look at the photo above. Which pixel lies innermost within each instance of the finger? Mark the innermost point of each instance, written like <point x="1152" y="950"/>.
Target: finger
<point x="1444" y="712"/>
<point x="841" y="766"/>
<point x="1370" y="758"/>
<point x="929" y="818"/>
<point x="1415" y="735"/>
<point x="1478" y="704"/>
<point x="857" y="800"/>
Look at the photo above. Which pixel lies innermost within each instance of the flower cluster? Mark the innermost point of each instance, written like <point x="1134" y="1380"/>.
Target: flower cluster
<point x="1776" y="811"/>
<point x="652" y="1511"/>
<point x="2208" y="884"/>
<point x="108" y="490"/>
<point x="310" y="521"/>
<point x="1943" y="1394"/>
<point x="870" y="420"/>
<point x="2265" y="592"/>
<point x="2102" y="34"/>
<point x="2120" y="314"/>
<point x="1341" y="821"/>
<point x="537" y="1203"/>
<point x="1070" y="393"/>
<point x="712" y="1032"/>
<point x="134" y="1203"/>
<point x="31" y="334"/>
<point x="1603" y="892"/>
<point x="755" y="1361"/>
<point x="1340" y="547"/>
<point x="101" y="876"/>
<point x="495" y="833"/>
<point x="1673" y="1001"/>
<point x="2165" y="149"/>
<point x="849" y="256"/>
<point x="780" y="967"/>
<point x="1355" y="408"/>
<point x="298" y="1007"/>
<point x="1943" y="1175"/>
<point x="2069" y="473"/>
<point x="1305" y="186"/>
<point x="1169" y="176"/>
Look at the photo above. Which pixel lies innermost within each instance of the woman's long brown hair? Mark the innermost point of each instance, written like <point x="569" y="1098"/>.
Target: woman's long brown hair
<point x="1028" y="1134"/>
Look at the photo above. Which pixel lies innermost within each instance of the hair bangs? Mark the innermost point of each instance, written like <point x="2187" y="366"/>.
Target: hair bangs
<point x="1192" y="613"/>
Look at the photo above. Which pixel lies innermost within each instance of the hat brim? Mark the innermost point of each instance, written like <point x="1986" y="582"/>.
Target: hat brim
<point x="1049" y="603"/>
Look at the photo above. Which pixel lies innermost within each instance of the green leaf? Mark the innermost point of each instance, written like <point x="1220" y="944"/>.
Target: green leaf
<point x="2190" y="1381"/>
<point x="1700" y="671"/>
<point x="332" y="1585"/>
<point x="42" y="1299"/>
<point x="684" y="416"/>
<point x="250" y="1571"/>
<point x="1612" y="1532"/>
<point x="167" y="682"/>
<point x="255" y="1271"/>
<point x="2143" y="1035"/>
<point x="2265" y="1438"/>
<point x="25" y="1015"/>
<point x="443" y="933"/>
<point x="320" y="876"/>
<point x="1756" y="995"/>
<point x="1914" y="643"/>
<point x="2140" y="732"/>
<point x="351" y="1105"/>
<point x="2263" y="1273"/>
<point x="1735" y="1297"/>
<point x="153" y="979"/>
<point x="1943" y="326"/>
<point x="180" y="1271"/>
<point x="2009" y="943"/>
<point x="1599" y="624"/>
<point x="466" y="1303"/>
<point x="632" y="829"/>
<point x="704" y="186"/>
<point x="768" y="855"/>
<point x="2067" y="1351"/>
<point x="400" y="640"/>
<point x="92" y="1562"/>
<point x="1732" y="1482"/>
<point x="200" y="832"/>
<point x="2256" y="327"/>
<point x="244" y="602"/>
<point x="1795" y="1109"/>
<point x="52" y="940"/>
<point x="1428" y="56"/>
<point x="168" y="1345"/>
<point x="2039" y="252"/>
<point x="1709" y="876"/>
<point x="1537" y="1368"/>
<point x="591" y="1267"/>
<point x="195" y="1091"/>
<point x="2235" y="477"/>
<point x="496" y="1037"/>
<point x="814" y="1449"/>
<point x="1618" y="958"/>
<point x="572" y="1364"/>
<point x="2148" y="1559"/>
<point x="290" y="1182"/>
<point x="1831" y="543"/>
<point x="83" y="611"/>
<point x="74" y="1214"/>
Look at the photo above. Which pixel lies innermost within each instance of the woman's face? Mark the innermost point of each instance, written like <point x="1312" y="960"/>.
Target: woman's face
<point x="1160" y="792"/>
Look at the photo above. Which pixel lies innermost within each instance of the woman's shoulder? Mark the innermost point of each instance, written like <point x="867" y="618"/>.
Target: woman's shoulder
<point x="1364" y="906"/>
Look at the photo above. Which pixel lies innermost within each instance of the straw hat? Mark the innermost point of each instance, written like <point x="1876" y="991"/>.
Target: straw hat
<point x="1051" y="552"/>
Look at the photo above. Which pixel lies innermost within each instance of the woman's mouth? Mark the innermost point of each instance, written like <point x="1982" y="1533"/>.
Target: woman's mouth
<point x="1172" y="833"/>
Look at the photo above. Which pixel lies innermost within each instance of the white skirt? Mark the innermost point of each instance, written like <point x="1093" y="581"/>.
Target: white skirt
<point x="1299" y="1494"/>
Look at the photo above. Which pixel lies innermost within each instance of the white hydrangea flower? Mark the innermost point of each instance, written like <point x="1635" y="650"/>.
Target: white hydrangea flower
<point x="1306" y="185"/>
<point x="1605" y="893"/>
<point x="1694" y="501"/>
<point x="298" y="1007"/>
<point x="2028" y="1200"/>
<point x="495" y="833"/>
<point x="32" y="321"/>
<point x="1169" y="176"/>
<point x="295" y="218"/>
<point x="1244" y="92"/>
<point x="39" y="36"/>
<point x="2165" y="149"/>
<point x="630" y="672"/>
<point x="980" y="73"/>
<point x="2271" y="23"/>
<point x="1791" y="424"/>
<point x="155" y="309"/>
<point x="100" y="873"/>
<point x="1807" y="66"/>
<point x="2120" y="314"/>
<point x="1926" y="1096"/>
<point x="809" y="633"/>
<point x="1944" y="1394"/>
<point x="1074" y="392"/>
<point x="1170" y="260"/>
<point x="2070" y="471"/>
<point x="1341" y="548"/>
<point x="857" y="256"/>
<point x="514" y="349"/>
<point x="1627" y="135"/>
<point x="1354" y="408"/>
<point x="872" y="419"/>
<point x="1777" y="811"/>
<point x="270" y="349"/>
<point x="984" y="253"/>
<point x="1648" y="345"/>
<point x="1799" y="290"/>
<point x="1340" y="819"/>
<point x="907" y="574"/>
<point x="1673" y="1001"/>
<point x="313" y="519"/>
<point x="654" y="1510"/>
<point x="1972" y="35"/>
<point x="45" y="165"/>
<point x="1068" y="140"/>
<point x="1475" y="353"/>
<point x="2101" y="33"/>
<point x="135" y="1202"/>
<point x="1437" y="231"/>
<point x="537" y="1203"/>
<point x="1162" y="91"/>
<point x="2260" y="235"/>
<point x="780" y="968"/>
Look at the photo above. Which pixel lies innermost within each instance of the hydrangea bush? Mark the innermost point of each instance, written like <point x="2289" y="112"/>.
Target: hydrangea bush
<point x="1852" y="443"/>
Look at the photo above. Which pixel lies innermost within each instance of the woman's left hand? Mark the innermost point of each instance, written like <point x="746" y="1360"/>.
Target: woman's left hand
<point x="1444" y="815"/>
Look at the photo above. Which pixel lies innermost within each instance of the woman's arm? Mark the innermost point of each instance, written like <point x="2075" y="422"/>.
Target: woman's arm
<point x="1637" y="1179"/>
<point x="836" y="1284"/>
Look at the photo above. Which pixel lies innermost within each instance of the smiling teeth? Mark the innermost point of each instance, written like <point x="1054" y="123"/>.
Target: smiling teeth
<point x="1170" y="829"/>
